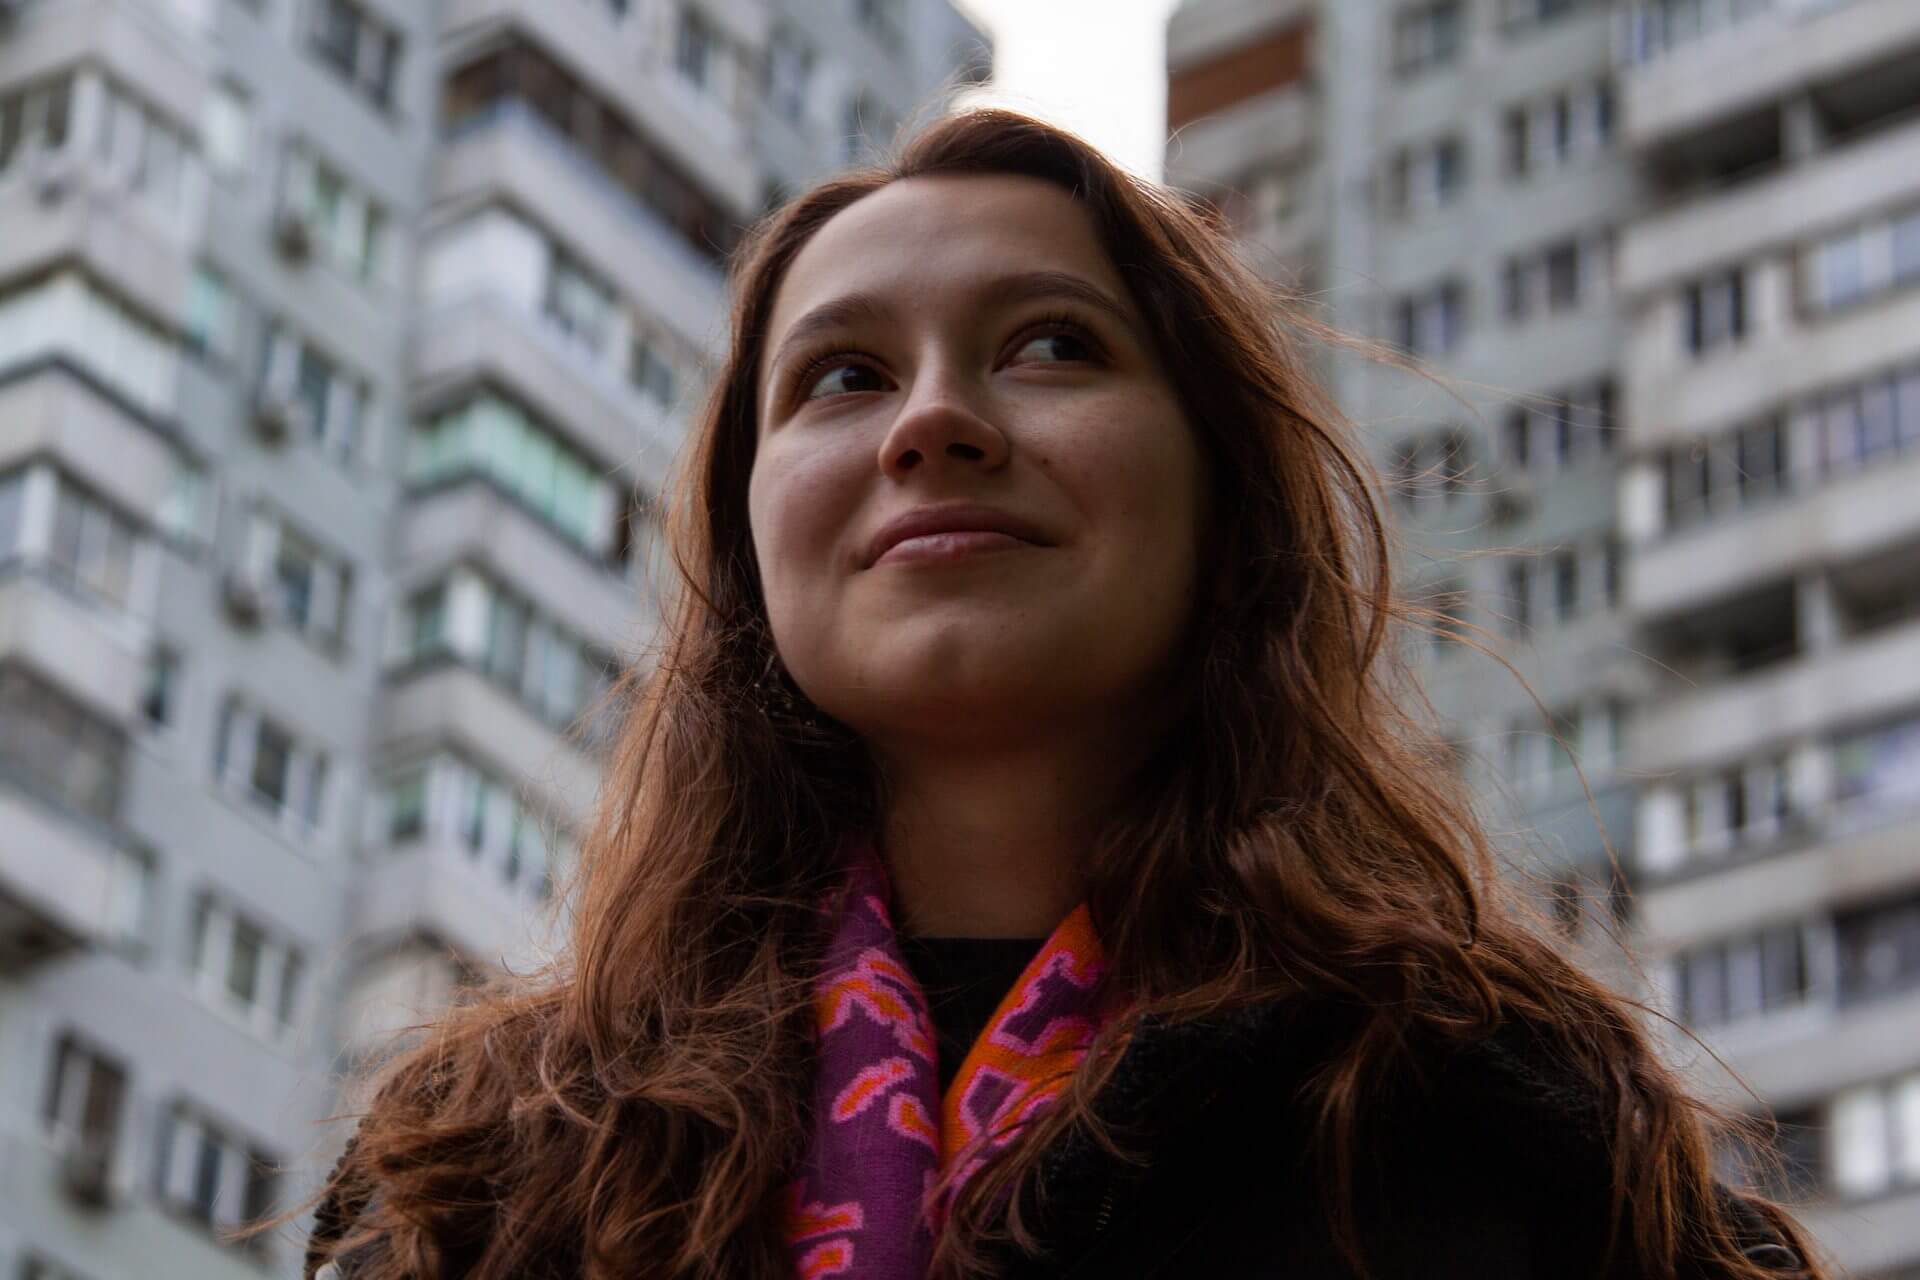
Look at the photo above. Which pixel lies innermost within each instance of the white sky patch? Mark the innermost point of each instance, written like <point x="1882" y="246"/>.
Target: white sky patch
<point x="1097" y="67"/>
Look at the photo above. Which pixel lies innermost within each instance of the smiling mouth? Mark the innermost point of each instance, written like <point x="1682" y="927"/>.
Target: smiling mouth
<point x="951" y="546"/>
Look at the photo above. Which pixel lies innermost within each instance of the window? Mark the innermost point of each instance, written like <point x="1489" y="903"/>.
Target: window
<point x="693" y="49"/>
<point x="347" y="225"/>
<point x="1875" y="1136"/>
<point x="1741" y="806"/>
<point x="650" y="371"/>
<point x="1565" y="571"/>
<point x="86" y="1098"/>
<point x="1433" y="322"/>
<point x="1554" y="132"/>
<point x="321" y="401"/>
<point x="34" y="119"/>
<point x="92" y="546"/>
<point x="407" y="806"/>
<point x="1435" y="464"/>
<point x="1555" y="278"/>
<point x="227" y="130"/>
<point x="210" y="1175"/>
<point x="1559" y="429"/>
<point x="184" y="508"/>
<point x="424" y="619"/>
<point x="1429" y="175"/>
<point x="496" y="438"/>
<point x="13" y="488"/>
<point x="310" y="587"/>
<point x="1520" y="597"/>
<point x="1879" y="948"/>
<point x="161" y="694"/>
<point x="270" y="766"/>
<point x="207" y="325"/>
<point x="1426" y="36"/>
<point x="240" y="966"/>
<point x="362" y="49"/>
<point x="578" y="303"/>
<point x="1906" y="249"/>
<point x="789" y="76"/>
<point x="1745" y="977"/>
<point x="450" y="799"/>
<point x="140" y="148"/>
<point x="1863" y="262"/>
<point x="1878" y="769"/>
<point x="1716" y="311"/>
<point x="57" y="747"/>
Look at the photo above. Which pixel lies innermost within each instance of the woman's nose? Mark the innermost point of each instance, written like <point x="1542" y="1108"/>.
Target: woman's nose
<point x="939" y="428"/>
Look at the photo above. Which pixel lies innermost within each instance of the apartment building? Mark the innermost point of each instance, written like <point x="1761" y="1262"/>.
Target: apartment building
<point x="342" y="346"/>
<point x="1665" y="256"/>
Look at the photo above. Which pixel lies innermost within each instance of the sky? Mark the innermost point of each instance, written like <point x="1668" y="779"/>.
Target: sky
<point x="1097" y="67"/>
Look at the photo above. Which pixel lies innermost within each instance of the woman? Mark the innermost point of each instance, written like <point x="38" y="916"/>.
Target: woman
<point x="1030" y="659"/>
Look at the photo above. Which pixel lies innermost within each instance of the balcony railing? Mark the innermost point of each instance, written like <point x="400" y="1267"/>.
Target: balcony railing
<point x="514" y="116"/>
<point x="1650" y="29"/>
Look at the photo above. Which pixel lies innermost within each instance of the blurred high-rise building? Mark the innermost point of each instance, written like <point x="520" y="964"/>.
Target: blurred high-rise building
<point x="342" y="346"/>
<point x="1665" y="259"/>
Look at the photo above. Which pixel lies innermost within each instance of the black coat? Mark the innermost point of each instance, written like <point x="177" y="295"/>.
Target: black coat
<point x="1491" y="1165"/>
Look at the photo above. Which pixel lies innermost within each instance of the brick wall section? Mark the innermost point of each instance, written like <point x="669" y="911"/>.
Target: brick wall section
<point x="1270" y="62"/>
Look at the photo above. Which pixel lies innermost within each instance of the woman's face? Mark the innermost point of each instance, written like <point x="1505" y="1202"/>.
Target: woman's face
<point x="976" y="501"/>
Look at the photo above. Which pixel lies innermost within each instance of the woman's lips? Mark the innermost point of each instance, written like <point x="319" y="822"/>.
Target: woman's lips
<point x="942" y="548"/>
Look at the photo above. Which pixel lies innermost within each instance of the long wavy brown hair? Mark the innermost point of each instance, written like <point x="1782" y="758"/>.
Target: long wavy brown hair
<point x="1297" y="834"/>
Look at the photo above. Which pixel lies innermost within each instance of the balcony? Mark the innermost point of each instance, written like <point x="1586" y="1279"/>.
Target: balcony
<point x="455" y="705"/>
<point x="1876" y="1238"/>
<point x="433" y="887"/>
<point x="1843" y="520"/>
<point x="1670" y="397"/>
<point x="97" y="657"/>
<point x="1280" y="125"/>
<point x="612" y="66"/>
<point x="130" y="1237"/>
<point x="1775" y="211"/>
<point x="472" y="520"/>
<point x="66" y="882"/>
<point x="1563" y="834"/>
<point x="1722" y="718"/>
<point x="509" y="151"/>
<point x="486" y="337"/>
<point x="1846" y="852"/>
<point x="1802" y="1052"/>
<point x="1687" y="87"/>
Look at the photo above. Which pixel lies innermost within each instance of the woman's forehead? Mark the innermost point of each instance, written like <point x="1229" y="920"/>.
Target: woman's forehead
<point x="937" y="235"/>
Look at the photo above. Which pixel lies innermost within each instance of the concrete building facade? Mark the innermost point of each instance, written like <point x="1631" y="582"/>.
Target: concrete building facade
<point x="342" y="346"/>
<point x="1664" y="256"/>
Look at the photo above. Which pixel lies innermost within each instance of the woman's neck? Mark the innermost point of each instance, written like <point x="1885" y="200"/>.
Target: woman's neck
<point x="989" y="844"/>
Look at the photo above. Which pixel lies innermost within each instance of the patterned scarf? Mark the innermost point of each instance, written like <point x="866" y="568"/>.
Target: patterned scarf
<point x="863" y="1206"/>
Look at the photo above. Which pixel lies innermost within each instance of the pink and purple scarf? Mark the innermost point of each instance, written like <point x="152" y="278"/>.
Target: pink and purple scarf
<point x="863" y="1206"/>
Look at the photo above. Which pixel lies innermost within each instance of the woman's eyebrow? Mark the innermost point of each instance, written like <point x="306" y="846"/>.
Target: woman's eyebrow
<point x="1001" y="291"/>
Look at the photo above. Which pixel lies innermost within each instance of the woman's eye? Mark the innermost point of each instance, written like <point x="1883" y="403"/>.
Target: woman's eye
<point x="843" y="379"/>
<point x="1056" y="347"/>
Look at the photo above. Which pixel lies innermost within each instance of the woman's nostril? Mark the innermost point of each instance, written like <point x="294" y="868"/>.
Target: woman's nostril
<point x="972" y="453"/>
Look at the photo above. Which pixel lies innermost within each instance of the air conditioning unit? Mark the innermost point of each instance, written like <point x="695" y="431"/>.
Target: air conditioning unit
<point x="55" y="173"/>
<point x="278" y="419"/>
<point x="245" y="597"/>
<point x="292" y="237"/>
<point x="86" y="1173"/>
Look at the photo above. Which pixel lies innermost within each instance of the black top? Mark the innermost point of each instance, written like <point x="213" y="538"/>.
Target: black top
<point x="964" y="980"/>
